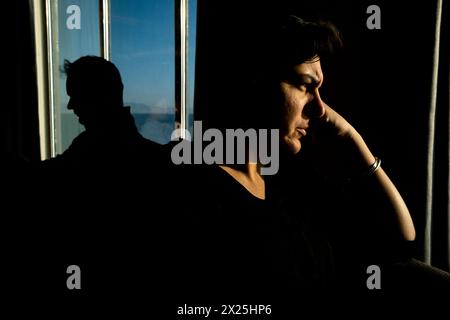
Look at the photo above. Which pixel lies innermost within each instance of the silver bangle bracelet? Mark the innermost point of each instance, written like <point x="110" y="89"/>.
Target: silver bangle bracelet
<point x="375" y="166"/>
<point x="350" y="182"/>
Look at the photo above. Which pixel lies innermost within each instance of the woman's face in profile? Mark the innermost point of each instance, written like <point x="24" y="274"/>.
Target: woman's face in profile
<point x="301" y="102"/>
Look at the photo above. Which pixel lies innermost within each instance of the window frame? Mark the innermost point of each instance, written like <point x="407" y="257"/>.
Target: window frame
<point x="49" y="125"/>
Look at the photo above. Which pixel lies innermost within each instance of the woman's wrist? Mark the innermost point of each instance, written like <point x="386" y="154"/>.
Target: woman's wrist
<point x="361" y="159"/>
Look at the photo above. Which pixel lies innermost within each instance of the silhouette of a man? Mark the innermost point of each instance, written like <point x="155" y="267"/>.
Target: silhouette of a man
<point x="105" y="187"/>
<point x="95" y="88"/>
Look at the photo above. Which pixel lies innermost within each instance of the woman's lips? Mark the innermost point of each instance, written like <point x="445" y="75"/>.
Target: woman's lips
<point x="301" y="131"/>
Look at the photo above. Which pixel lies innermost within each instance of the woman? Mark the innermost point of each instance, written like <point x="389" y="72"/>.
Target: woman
<point x="251" y="234"/>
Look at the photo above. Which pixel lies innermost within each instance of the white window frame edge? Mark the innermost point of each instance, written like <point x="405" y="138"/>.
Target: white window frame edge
<point x="45" y="86"/>
<point x="42" y="74"/>
<point x="53" y="126"/>
<point x="183" y="64"/>
<point x="105" y="29"/>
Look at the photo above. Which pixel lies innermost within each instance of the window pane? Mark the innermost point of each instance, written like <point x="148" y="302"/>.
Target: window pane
<point x="143" y="48"/>
<point x="75" y="32"/>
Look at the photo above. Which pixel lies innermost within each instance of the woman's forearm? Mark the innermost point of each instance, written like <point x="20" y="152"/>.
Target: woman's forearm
<point x="387" y="188"/>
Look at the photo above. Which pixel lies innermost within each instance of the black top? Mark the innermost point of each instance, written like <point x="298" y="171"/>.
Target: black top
<point x="235" y="242"/>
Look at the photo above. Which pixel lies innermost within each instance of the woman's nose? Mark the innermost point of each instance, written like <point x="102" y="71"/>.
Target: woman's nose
<point x="316" y="107"/>
<point x="320" y="105"/>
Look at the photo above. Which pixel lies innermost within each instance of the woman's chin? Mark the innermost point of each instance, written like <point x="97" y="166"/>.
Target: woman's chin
<point x="292" y="145"/>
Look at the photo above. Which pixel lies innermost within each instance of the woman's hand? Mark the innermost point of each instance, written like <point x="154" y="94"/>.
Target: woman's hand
<point x="340" y="153"/>
<point x="333" y="121"/>
<point x="338" y="150"/>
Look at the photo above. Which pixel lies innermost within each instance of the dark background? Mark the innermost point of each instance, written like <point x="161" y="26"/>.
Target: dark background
<point x="381" y="84"/>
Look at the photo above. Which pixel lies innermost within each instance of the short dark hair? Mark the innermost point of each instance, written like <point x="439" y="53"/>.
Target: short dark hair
<point x="296" y="41"/>
<point x="98" y="74"/>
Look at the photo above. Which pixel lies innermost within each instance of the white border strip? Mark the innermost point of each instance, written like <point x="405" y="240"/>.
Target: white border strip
<point x="106" y="29"/>
<point x="48" y="18"/>
<point x="183" y="66"/>
<point x="40" y="45"/>
<point x="431" y="137"/>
